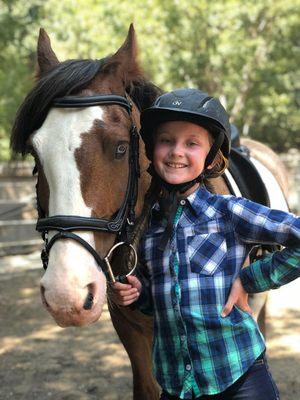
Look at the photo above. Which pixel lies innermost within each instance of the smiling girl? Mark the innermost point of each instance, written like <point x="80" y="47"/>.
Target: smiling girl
<point x="194" y="250"/>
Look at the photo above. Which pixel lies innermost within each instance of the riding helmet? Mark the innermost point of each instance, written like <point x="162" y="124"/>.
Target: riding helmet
<point x="190" y="105"/>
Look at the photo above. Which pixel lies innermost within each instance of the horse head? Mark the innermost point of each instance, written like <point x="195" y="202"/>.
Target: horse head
<point x="82" y="154"/>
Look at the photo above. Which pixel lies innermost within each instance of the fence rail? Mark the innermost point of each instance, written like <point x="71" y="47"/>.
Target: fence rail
<point x="17" y="209"/>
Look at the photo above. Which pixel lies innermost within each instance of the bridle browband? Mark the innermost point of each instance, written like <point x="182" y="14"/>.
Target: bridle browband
<point x="123" y="221"/>
<point x="90" y="101"/>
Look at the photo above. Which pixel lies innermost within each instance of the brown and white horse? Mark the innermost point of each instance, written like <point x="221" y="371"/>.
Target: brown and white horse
<point x="82" y="158"/>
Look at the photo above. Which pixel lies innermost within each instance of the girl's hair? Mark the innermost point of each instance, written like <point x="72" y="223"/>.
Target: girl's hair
<point x="220" y="163"/>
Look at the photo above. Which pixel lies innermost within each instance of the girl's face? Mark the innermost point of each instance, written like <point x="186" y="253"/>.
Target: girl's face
<point x="180" y="149"/>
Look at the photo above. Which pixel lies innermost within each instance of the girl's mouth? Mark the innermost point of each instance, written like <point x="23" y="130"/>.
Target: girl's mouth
<point x="175" y="165"/>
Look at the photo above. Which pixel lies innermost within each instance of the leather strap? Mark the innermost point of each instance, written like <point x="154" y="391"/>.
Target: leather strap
<point x="80" y="102"/>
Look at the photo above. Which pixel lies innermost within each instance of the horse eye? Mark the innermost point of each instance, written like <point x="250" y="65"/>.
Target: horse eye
<point x="121" y="150"/>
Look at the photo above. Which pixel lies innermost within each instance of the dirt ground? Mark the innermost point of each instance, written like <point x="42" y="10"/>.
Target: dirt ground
<point x="39" y="360"/>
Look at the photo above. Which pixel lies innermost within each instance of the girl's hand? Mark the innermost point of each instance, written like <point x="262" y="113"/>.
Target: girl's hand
<point x="125" y="294"/>
<point x="237" y="297"/>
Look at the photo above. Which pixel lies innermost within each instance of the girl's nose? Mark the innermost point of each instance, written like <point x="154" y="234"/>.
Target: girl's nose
<point x="177" y="150"/>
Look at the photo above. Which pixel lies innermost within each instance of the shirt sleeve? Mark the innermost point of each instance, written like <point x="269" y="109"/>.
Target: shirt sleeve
<point x="257" y="224"/>
<point x="272" y="271"/>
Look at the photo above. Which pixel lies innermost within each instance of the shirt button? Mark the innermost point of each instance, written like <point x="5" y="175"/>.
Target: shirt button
<point x="182" y="202"/>
<point x="188" y="367"/>
<point x="182" y="337"/>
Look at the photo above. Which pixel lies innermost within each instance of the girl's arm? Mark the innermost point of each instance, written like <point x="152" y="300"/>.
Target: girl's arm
<point x="136" y="291"/>
<point x="257" y="224"/>
<point x="272" y="271"/>
<point x="125" y="294"/>
<point x="254" y="223"/>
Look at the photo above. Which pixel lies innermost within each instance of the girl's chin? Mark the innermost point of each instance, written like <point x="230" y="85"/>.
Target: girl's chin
<point x="176" y="181"/>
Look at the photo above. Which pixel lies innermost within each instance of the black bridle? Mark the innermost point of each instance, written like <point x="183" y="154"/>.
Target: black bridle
<point x="123" y="221"/>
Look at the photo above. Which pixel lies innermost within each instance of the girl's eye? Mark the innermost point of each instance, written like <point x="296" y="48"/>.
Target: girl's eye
<point x="120" y="150"/>
<point x="164" y="140"/>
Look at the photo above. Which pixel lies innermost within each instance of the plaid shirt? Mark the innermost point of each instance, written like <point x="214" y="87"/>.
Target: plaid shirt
<point x="195" y="350"/>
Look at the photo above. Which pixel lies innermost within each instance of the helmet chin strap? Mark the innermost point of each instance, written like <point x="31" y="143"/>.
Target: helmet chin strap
<point x="214" y="149"/>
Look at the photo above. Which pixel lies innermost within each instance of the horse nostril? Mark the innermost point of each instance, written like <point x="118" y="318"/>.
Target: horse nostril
<point x="88" y="304"/>
<point x="43" y="296"/>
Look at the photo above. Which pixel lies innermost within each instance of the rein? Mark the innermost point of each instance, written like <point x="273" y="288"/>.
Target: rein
<point x="122" y="223"/>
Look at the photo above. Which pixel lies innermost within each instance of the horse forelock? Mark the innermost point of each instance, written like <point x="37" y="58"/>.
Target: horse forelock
<point x="69" y="77"/>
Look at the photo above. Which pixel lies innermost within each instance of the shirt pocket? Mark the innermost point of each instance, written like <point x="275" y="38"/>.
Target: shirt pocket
<point x="206" y="253"/>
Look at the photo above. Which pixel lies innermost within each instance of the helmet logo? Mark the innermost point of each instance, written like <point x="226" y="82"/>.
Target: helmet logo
<point x="176" y="103"/>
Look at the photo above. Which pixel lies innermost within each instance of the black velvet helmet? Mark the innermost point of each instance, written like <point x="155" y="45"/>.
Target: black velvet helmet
<point x="190" y="105"/>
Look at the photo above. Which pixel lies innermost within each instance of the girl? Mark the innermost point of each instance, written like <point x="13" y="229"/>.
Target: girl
<point x="194" y="250"/>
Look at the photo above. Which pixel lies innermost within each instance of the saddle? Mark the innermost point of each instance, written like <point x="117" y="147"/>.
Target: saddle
<point x="246" y="176"/>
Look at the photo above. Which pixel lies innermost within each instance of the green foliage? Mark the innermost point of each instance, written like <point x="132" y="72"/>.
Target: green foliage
<point x="245" y="52"/>
<point x="17" y="20"/>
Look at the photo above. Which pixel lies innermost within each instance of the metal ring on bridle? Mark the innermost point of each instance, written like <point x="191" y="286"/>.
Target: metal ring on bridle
<point x="106" y="259"/>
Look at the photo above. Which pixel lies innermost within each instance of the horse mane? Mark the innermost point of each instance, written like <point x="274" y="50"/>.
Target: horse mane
<point x="69" y="77"/>
<point x="143" y="93"/>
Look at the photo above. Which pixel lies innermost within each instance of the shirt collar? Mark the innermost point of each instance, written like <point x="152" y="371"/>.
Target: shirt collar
<point x="198" y="200"/>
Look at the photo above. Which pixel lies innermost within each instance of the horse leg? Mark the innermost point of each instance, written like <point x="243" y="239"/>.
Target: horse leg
<point x="135" y="332"/>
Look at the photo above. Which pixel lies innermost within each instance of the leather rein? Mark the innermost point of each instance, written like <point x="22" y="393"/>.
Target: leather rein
<point x="121" y="223"/>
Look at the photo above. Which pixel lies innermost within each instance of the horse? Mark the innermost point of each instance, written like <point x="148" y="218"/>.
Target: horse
<point x="80" y="122"/>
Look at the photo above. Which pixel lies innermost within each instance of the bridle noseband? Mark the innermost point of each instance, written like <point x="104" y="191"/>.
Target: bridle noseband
<point x="122" y="223"/>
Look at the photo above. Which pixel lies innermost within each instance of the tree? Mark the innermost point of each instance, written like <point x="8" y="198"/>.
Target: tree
<point x="17" y="21"/>
<point x="245" y="52"/>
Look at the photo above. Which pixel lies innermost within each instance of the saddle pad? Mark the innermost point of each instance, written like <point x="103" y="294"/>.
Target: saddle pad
<point x="233" y="187"/>
<point x="277" y="199"/>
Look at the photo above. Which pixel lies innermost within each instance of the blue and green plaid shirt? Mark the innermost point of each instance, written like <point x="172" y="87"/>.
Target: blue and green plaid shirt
<point x="195" y="350"/>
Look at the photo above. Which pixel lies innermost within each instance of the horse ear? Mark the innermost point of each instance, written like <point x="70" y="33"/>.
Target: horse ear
<point x="124" y="61"/>
<point x="46" y="57"/>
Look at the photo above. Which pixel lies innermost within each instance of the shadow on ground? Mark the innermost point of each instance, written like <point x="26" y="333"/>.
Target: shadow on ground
<point x="41" y="361"/>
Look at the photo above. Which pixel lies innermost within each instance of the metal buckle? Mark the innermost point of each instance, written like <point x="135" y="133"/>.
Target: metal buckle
<point x="106" y="259"/>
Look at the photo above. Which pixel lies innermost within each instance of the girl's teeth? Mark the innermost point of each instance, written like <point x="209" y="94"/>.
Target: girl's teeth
<point x="176" y="165"/>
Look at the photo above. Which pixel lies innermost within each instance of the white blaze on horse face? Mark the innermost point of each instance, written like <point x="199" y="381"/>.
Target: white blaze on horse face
<point x="70" y="264"/>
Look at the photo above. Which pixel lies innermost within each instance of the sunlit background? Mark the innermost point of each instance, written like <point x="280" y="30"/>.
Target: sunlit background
<point x="245" y="52"/>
